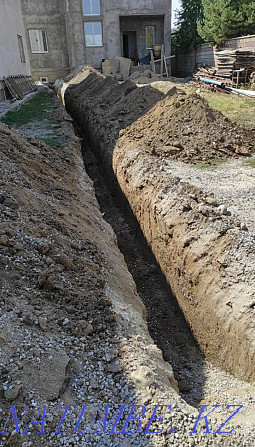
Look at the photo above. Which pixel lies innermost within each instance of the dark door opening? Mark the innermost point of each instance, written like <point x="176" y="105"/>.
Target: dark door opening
<point x="129" y="43"/>
<point x="125" y="46"/>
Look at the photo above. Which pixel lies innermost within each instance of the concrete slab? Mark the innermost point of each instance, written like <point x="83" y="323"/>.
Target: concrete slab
<point x="124" y="67"/>
<point x="111" y="66"/>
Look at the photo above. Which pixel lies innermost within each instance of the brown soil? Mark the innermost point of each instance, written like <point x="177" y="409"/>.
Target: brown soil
<point x="72" y="327"/>
<point x="180" y="126"/>
<point x="189" y="238"/>
<point x="117" y="105"/>
<point x="185" y="128"/>
<point x="165" y="320"/>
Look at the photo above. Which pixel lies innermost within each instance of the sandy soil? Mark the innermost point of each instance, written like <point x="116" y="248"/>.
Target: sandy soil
<point x="72" y="327"/>
<point x="193" y="235"/>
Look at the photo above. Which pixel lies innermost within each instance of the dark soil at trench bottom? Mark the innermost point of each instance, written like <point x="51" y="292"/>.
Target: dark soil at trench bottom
<point x="166" y="322"/>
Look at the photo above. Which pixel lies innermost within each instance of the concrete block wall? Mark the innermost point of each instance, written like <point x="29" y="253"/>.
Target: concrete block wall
<point x="115" y="9"/>
<point x="139" y="24"/>
<point x="241" y="42"/>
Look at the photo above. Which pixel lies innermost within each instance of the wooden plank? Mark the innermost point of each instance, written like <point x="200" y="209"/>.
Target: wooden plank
<point x="152" y="62"/>
<point x="10" y="88"/>
<point x="162" y="60"/>
<point x="166" y="67"/>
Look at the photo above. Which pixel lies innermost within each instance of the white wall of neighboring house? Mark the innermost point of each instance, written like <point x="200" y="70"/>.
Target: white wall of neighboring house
<point x="11" y="26"/>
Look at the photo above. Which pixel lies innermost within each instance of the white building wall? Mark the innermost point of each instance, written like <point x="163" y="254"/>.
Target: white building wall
<point x="11" y="25"/>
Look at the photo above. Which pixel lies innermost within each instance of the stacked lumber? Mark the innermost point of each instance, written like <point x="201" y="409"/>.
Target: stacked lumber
<point x="229" y="60"/>
<point x="245" y="58"/>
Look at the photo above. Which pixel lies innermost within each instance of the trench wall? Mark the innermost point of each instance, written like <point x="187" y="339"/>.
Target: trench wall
<point x="188" y="254"/>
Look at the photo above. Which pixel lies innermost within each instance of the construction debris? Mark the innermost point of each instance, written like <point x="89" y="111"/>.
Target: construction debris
<point x="19" y="86"/>
<point x="118" y="68"/>
<point x="228" y="61"/>
<point x="121" y="68"/>
<point x="211" y="73"/>
<point x="235" y="67"/>
<point x="144" y="77"/>
<point x="111" y="67"/>
<point x="213" y="82"/>
<point x="164" y="71"/>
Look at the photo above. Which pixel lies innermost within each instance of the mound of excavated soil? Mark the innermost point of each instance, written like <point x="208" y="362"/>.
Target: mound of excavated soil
<point x="180" y="126"/>
<point x="184" y="127"/>
<point x="75" y="77"/>
<point x="79" y="74"/>
<point x="112" y="106"/>
<point x="72" y="326"/>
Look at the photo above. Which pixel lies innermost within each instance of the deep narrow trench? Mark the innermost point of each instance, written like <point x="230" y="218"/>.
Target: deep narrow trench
<point x="166" y="322"/>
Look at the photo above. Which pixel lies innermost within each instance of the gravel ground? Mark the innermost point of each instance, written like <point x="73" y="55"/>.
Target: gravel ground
<point x="72" y="328"/>
<point x="232" y="183"/>
<point x="200" y="382"/>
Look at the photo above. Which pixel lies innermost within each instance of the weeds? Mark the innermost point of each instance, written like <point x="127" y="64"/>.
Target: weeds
<point x="212" y="164"/>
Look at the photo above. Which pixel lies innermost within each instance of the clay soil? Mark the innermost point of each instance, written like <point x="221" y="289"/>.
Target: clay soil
<point x="72" y="327"/>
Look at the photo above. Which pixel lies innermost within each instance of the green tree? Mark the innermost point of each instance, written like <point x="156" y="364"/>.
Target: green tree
<point x="248" y="9"/>
<point x="185" y="35"/>
<point x="223" y="19"/>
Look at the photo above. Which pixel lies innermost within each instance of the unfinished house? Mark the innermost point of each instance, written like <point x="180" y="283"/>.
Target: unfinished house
<point x="64" y="34"/>
<point x="14" y="58"/>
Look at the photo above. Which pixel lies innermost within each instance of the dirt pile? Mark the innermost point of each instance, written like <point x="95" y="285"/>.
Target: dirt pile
<point x="183" y="127"/>
<point x="72" y="327"/>
<point x="179" y="126"/>
<point x="75" y="77"/>
<point x="145" y="77"/>
<point x="192" y="236"/>
<point x="79" y="74"/>
<point x="110" y="105"/>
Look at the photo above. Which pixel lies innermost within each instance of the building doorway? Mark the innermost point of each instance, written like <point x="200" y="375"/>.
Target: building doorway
<point x="129" y="43"/>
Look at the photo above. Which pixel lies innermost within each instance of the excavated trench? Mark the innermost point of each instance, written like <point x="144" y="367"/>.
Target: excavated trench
<point x="130" y="132"/>
<point x="198" y="380"/>
<point x="166" y="322"/>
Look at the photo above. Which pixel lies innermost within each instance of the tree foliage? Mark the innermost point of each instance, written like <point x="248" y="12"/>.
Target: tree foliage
<point x="185" y="35"/>
<point x="223" y="19"/>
